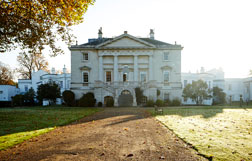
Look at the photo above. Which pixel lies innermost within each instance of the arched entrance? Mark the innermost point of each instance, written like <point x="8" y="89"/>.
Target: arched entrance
<point x="108" y="101"/>
<point x="125" y="99"/>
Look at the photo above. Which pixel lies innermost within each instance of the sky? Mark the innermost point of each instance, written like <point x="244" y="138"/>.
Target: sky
<point x="214" y="33"/>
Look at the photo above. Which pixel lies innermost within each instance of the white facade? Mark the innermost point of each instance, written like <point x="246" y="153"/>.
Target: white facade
<point x="8" y="91"/>
<point x="116" y="66"/>
<point x="42" y="77"/>
<point x="188" y="78"/>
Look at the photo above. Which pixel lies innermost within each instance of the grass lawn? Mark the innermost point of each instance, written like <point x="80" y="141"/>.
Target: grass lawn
<point x="19" y="124"/>
<point x="222" y="133"/>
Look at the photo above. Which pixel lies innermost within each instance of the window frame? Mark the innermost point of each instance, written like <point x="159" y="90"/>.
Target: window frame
<point x="164" y="56"/>
<point x="108" y="71"/>
<point x="83" y="81"/>
<point x="143" y="73"/>
<point x="164" y="72"/>
<point x="85" y="57"/>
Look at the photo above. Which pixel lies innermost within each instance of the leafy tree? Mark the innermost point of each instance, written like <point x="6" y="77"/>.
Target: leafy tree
<point x="69" y="97"/>
<point x="18" y="100"/>
<point x="197" y="91"/>
<point x="139" y="95"/>
<point x="6" y="75"/>
<point x="219" y="97"/>
<point x="29" y="61"/>
<point x="36" y="23"/>
<point x="50" y="91"/>
<point x="29" y="97"/>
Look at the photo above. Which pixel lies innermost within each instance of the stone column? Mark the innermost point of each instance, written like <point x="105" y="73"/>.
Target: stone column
<point x="115" y="68"/>
<point x="135" y="68"/>
<point x="150" y="68"/>
<point x="100" y="69"/>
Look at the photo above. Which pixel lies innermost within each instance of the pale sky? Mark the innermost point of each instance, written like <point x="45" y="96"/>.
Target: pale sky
<point x="214" y="33"/>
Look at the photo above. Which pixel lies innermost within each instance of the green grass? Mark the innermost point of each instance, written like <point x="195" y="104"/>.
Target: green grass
<point x="20" y="124"/>
<point x="222" y="133"/>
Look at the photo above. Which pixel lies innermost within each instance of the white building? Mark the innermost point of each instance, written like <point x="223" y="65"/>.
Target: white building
<point x="188" y="78"/>
<point x="42" y="77"/>
<point x="7" y="91"/>
<point x="114" y="67"/>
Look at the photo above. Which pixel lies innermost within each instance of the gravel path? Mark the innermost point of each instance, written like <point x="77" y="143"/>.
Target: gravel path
<point x="112" y="134"/>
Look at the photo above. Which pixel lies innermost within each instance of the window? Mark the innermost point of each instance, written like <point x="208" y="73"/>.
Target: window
<point x="125" y="77"/>
<point x="61" y="84"/>
<point x="185" y="83"/>
<point x="1" y="92"/>
<point x="166" y="96"/>
<point x="166" y="56"/>
<point x="85" y="56"/>
<point x="85" y="77"/>
<point x="26" y="88"/>
<point x="166" y="76"/>
<point x="209" y="84"/>
<point x="143" y="76"/>
<point x="108" y="76"/>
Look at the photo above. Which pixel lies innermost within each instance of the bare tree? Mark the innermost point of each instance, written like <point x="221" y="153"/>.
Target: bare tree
<point x="30" y="61"/>
<point x="6" y="75"/>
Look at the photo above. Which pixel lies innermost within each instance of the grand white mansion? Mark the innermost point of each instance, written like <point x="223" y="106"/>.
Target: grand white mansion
<point x="114" y="67"/>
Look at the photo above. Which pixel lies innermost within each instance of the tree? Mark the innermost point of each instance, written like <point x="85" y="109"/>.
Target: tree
<point x="29" y="97"/>
<point x="36" y="23"/>
<point x="49" y="91"/>
<point x="197" y="91"/>
<point x="29" y="61"/>
<point x="219" y="97"/>
<point x="139" y="95"/>
<point x="6" y="75"/>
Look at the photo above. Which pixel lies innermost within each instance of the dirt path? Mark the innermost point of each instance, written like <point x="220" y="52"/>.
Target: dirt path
<point x="112" y="134"/>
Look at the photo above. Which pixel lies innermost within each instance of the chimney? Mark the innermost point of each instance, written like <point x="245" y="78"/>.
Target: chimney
<point x="53" y="70"/>
<point x="100" y="33"/>
<point x="64" y="69"/>
<point x="151" y="34"/>
<point x="125" y="32"/>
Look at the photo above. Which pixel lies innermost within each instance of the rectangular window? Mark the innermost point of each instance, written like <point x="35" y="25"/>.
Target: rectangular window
<point x="143" y="76"/>
<point x="166" y="56"/>
<point x="209" y="85"/>
<point x="85" y="56"/>
<point x="26" y="88"/>
<point x="166" y="96"/>
<point x="61" y="84"/>
<point x="85" y="77"/>
<point x="185" y="83"/>
<point x="108" y="76"/>
<point x="166" y="76"/>
<point x="1" y="92"/>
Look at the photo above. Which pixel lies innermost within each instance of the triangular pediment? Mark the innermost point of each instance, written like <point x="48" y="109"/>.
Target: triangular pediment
<point x="125" y="41"/>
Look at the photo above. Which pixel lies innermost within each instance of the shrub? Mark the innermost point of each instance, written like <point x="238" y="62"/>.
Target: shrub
<point x="29" y="97"/>
<point x="18" y="100"/>
<point x="158" y="92"/>
<point x="110" y="102"/>
<point x="49" y="91"/>
<point x="167" y="102"/>
<point x="176" y="102"/>
<point x="69" y="98"/>
<point x="99" y="104"/>
<point x="150" y="103"/>
<point x="87" y="100"/>
<point x="159" y="103"/>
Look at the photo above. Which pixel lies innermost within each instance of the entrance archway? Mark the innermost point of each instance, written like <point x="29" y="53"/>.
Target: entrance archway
<point x="109" y="101"/>
<point x="125" y="99"/>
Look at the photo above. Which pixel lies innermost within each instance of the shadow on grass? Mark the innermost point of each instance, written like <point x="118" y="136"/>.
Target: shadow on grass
<point x="204" y="111"/>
